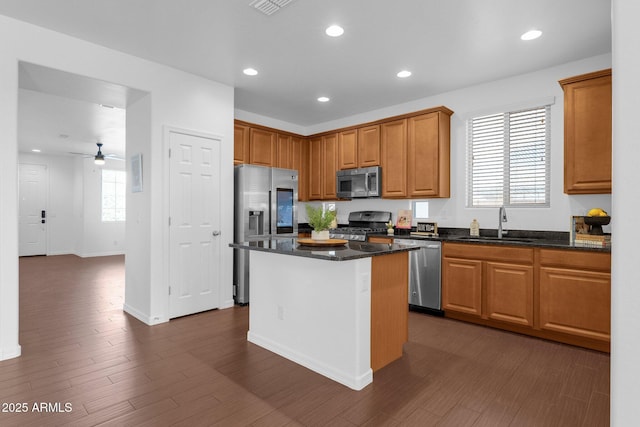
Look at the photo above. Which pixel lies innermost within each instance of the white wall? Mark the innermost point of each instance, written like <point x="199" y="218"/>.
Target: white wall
<point x="495" y="96"/>
<point x="625" y="280"/>
<point x="74" y="223"/>
<point x="176" y="99"/>
<point x="98" y="238"/>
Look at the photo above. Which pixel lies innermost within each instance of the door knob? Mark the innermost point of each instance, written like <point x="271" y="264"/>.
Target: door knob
<point x="216" y="233"/>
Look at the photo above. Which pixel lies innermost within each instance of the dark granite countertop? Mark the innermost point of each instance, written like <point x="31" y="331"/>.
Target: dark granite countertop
<point x="349" y="251"/>
<point x="545" y="239"/>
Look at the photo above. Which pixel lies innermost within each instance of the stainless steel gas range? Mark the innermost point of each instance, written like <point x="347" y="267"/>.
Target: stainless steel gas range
<point x="361" y="225"/>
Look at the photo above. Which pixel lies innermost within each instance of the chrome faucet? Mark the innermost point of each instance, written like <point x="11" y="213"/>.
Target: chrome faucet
<point x="502" y="217"/>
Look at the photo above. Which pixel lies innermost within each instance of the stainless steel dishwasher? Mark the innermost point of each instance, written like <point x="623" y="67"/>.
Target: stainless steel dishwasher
<point x="424" y="276"/>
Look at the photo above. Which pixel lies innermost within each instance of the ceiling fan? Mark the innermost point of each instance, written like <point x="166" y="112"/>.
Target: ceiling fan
<point x="99" y="157"/>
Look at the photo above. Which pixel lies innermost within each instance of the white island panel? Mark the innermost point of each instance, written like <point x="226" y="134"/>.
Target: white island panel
<point x="314" y="312"/>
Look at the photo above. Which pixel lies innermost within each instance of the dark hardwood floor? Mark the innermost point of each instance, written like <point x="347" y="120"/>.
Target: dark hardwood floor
<point x="80" y="349"/>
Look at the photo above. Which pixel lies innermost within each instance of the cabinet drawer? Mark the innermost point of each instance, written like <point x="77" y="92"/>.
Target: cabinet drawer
<point x="514" y="254"/>
<point x="599" y="261"/>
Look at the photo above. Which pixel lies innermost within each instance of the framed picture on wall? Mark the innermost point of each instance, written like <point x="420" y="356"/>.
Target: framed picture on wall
<point x="136" y="173"/>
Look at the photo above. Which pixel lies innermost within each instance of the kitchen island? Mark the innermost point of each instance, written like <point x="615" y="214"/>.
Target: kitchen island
<point x="339" y="311"/>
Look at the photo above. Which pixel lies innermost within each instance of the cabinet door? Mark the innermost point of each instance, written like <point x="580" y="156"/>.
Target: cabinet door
<point x="462" y="285"/>
<point x="284" y="152"/>
<point x="576" y="302"/>
<point x="300" y="162"/>
<point x="587" y="127"/>
<point x="315" y="169"/>
<point x="428" y="156"/>
<point x="329" y="166"/>
<point x="369" y="146"/>
<point x="510" y="293"/>
<point x="348" y="149"/>
<point x="240" y="144"/>
<point x="262" y="148"/>
<point x="393" y="158"/>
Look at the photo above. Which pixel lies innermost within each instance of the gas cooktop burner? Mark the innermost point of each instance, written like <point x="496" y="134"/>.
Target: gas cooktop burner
<point x="361" y="224"/>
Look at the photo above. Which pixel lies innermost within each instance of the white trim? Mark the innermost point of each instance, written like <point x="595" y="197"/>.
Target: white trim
<point x="148" y="320"/>
<point x="97" y="254"/>
<point x="516" y="106"/>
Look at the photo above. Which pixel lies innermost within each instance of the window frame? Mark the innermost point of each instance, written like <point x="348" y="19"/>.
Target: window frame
<point x="507" y="146"/>
<point x="120" y="188"/>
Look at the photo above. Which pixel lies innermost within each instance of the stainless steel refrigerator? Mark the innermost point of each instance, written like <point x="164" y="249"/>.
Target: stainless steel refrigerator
<point x="266" y="206"/>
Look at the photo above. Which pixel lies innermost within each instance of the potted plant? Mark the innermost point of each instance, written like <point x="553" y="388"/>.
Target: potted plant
<point x="320" y="220"/>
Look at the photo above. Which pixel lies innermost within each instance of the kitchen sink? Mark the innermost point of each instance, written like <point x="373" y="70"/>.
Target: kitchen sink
<point x="494" y="239"/>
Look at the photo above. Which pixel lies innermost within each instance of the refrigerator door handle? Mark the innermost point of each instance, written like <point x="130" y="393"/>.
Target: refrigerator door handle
<point x="270" y="211"/>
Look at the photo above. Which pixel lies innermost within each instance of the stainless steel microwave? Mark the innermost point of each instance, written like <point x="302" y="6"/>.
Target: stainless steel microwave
<point x="363" y="182"/>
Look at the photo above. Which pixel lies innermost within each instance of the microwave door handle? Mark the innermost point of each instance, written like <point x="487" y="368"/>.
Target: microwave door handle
<point x="366" y="183"/>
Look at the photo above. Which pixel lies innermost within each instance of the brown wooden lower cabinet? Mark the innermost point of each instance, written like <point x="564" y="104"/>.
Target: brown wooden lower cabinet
<point x="509" y="290"/>
<point x="389" y="308"/>
<point x="561" y="295"/>
<point x="463" y="290"/>
<point x="575" y="293"/>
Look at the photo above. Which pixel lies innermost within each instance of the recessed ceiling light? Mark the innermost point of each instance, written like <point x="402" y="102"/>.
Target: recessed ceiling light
<point x="323" y="99"/>
<point x="531" y="35"/>
<point x="250" y="71"/>
<point x="404" y="74"/>
<point x="35" y="150"/>
<point x="334" y="31"/>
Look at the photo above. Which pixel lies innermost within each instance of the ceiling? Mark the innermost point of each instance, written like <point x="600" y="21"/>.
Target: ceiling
<point x="447" y="45"/>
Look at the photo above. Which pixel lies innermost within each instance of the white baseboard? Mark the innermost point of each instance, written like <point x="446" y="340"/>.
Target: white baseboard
<point x="227" y="304"/>
<point x="10" y="353"/>
<point x="96" y="254"/>
<point x="353" y="382"/>
<point x="144" y="318"/>
<point x="67" y="252"/>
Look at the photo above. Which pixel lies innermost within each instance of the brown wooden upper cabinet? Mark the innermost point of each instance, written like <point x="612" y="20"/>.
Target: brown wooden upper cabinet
<point x="240" y="144"/>
<point x="369" y="146"/>
<point x="359" y="148"/>
<point x="329" y="166"/>
<point x="415" y="155"/>
<point x="348" y="149"/>
<point x="262" y="147"/>
<point x="284" y="152"/>
<point x="323" y="165"/>
<point x="393" y="158"/>
<point x="428" y="155"/>
<point x="413" y="150"/>
<point x="315" y="168"/>
<point x="300" y="162"/>
<point x="587" y="133"/>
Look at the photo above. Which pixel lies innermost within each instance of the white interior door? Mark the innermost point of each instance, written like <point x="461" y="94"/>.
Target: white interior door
<point x="194" y="209"/>
<point x="32" y="228"/>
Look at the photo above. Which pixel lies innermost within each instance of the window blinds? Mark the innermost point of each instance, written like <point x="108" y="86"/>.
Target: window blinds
<point x="508" y="159"/>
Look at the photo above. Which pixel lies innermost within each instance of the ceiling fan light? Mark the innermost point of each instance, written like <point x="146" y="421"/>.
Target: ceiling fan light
<point x="99" y="158"/>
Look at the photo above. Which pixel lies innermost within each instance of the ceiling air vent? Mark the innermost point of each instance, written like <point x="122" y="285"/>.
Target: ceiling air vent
<point x="269" y="7"/>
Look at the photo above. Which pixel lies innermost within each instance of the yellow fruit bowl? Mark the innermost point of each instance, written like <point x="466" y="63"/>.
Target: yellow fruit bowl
<point x="596" y="223"/>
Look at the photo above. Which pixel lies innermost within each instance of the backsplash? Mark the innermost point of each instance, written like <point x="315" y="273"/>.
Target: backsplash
<point x="453" y="212"/>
